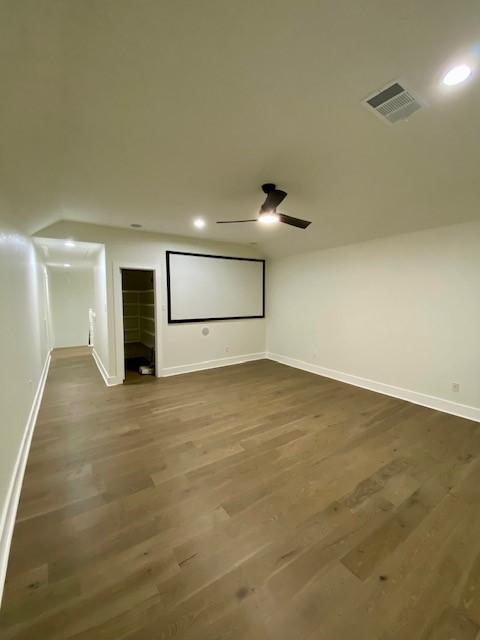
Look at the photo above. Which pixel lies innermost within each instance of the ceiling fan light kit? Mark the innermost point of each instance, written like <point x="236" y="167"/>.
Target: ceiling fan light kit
<point x="268" y="217"/>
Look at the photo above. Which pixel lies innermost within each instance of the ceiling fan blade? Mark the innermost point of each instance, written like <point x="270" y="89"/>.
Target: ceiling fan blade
<point x="273" y="199"/>
<point x="294" y="222"/>
<point x="235" y="221"/>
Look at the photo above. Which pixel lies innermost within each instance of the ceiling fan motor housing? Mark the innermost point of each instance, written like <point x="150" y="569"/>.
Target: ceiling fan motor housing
<point x="267" y="187"/>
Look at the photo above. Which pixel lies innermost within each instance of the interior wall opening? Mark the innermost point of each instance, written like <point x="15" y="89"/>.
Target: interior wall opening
<point x="138" y="296"/>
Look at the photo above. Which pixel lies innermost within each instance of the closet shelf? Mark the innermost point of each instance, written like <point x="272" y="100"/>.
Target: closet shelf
<point x="137" y="290"/>
<point x="137" y="303"/>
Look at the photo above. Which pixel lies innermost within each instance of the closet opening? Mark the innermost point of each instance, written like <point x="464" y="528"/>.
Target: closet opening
<point x="138" y="296"/>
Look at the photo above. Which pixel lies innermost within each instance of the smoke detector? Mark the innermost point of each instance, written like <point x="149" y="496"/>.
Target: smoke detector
<point x="393" y="103"/>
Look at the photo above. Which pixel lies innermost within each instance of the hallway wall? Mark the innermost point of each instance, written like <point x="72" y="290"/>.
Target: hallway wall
<point x="72" y="295"/>
<point x="24" y="345"/>
<point x="100" y="335"/>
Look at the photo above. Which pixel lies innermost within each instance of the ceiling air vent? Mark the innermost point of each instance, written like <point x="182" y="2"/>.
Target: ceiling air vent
<point x="394" y="103"/>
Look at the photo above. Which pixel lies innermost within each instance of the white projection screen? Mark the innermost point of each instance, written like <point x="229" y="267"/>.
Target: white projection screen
<point x="202" y="287"/>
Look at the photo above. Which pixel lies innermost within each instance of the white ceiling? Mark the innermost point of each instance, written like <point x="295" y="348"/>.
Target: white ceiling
<point x="123" y="111"/>
<point x="57" y="254"/>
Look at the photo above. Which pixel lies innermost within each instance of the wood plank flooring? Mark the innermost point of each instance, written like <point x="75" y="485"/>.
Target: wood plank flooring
<point x="250" y="502"/>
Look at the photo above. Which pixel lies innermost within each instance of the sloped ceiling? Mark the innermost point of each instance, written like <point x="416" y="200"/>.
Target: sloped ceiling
<point x="118" y="112"/>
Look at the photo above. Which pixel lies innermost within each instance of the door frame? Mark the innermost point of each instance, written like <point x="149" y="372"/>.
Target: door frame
<point x="118" y="307"/>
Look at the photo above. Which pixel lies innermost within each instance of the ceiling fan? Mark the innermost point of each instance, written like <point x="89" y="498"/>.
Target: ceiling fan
<point x="268" y="211"/>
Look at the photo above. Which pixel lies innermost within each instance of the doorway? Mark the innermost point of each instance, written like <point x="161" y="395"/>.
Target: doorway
<point x="138" y="298"/>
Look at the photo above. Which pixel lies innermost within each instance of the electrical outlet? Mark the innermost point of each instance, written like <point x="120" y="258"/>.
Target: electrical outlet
<point x="455" y="387"/>
<point x="227" y="349"/>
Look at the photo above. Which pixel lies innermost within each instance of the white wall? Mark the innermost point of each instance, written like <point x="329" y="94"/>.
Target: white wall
<point x="24" y="346"/>
<point x="179" y="346"/>
<point x="100" y="337"/>
<point x="71" y="296"/>
<point x="404" y="311"/>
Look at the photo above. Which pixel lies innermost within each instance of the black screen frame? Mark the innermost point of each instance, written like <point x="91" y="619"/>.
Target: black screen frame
<point x="215" y="319"/>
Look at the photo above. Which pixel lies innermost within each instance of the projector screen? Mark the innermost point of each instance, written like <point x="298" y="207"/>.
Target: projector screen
<point x="203" y="287"/>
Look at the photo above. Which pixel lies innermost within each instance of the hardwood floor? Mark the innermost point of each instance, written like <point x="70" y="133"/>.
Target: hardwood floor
<point x="250" y="502"/>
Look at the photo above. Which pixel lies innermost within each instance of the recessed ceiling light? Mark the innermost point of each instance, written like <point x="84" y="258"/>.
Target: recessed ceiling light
<point x="69" y="243"/>
<point x="136" y="226"/>
<point x="456" y="75"/>
<point x="67" y="265"/>
<point x="269" y="218"/>
<point x="199" y="223"/>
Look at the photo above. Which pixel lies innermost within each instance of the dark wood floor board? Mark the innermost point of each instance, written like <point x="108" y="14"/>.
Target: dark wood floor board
<point x="251" y="502"/>
<point x="422" y="572"/>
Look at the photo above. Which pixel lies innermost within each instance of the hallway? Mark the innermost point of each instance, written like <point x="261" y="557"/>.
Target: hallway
<point x="253" y="501"/>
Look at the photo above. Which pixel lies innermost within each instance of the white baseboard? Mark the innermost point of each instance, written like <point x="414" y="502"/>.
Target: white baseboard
<point x="209" y="364"/>
<point x="9" y="511"/>
<point x="110" y="381"/>
<point x="432" y="402"/>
